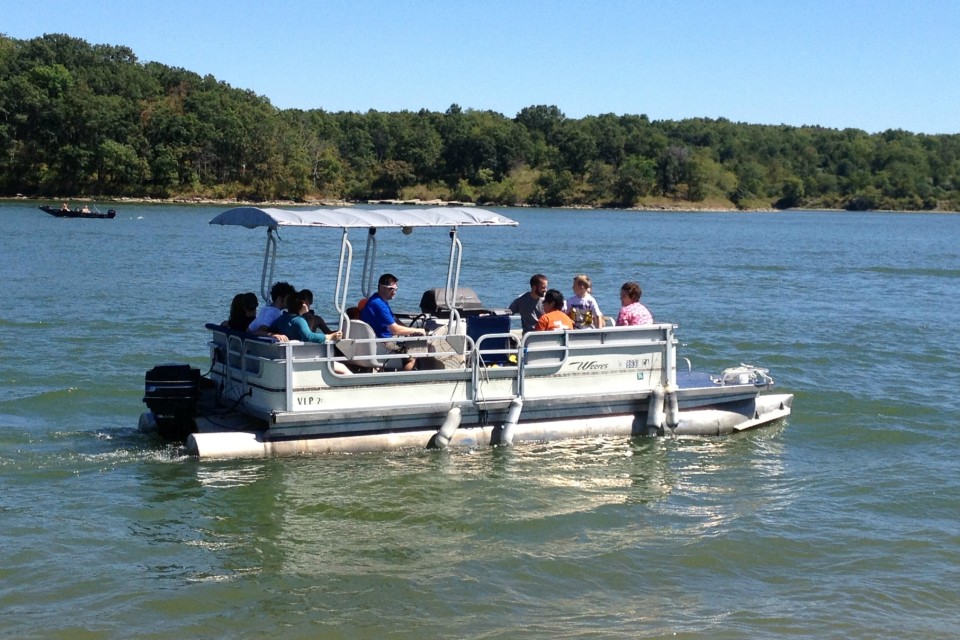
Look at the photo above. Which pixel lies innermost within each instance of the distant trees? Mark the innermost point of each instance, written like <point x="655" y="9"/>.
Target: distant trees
<point x="77" y="119"/>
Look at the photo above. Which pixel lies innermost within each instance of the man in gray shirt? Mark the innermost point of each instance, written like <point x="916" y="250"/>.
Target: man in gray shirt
<point x="530" y="305"/>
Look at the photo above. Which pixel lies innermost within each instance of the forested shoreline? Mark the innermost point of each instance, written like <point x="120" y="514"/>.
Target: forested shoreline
<point x="83" y="120"/>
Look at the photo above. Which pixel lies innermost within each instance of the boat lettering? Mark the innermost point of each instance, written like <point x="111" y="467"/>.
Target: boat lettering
<point x="308" y="401"/>
<point x="592" y="365"/>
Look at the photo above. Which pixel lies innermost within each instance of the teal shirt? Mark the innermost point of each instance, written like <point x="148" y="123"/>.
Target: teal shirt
<point x="296" y="328"/>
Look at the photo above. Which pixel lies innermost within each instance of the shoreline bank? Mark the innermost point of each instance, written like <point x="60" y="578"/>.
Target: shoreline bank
<point x="429" y="203"/>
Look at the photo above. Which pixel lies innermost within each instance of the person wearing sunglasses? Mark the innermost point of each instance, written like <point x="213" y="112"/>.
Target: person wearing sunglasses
<point x="378" y="314"/>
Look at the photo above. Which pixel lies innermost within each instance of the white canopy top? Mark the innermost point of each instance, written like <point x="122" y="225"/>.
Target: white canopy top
<point x="253" y="217"/>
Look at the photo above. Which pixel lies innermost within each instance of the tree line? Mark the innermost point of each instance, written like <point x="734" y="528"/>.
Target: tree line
<point x="91" y="120"/>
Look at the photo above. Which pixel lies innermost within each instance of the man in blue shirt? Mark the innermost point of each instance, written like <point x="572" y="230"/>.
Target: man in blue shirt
<point x="378" y="314"/>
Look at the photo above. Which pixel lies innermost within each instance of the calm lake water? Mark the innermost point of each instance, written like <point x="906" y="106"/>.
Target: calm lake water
<point x="842" y="522"/>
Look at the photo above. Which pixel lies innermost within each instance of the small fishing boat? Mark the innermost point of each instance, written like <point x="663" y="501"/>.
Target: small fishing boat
<point x="489" y="384"/>
<point x="65" y="212"/>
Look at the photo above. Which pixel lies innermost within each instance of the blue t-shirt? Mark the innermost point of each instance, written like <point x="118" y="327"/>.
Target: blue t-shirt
<point x="378" y="315"/>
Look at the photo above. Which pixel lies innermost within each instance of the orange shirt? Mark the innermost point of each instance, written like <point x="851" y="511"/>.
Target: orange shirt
<point x="553" y="321"/>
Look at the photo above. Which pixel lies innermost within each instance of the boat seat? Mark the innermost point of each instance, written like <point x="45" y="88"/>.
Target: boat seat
<point x="492" y="350"/>
<point x="364" y="354"/>
<point x="246" y="335"/>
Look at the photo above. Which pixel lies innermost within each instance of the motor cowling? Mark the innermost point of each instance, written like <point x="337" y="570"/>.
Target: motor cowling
<point x="432" y="301"/>
<point x="172" y="393"/>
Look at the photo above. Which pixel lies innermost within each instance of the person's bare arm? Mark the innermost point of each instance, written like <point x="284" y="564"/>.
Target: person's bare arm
<point x="398" y="329"/>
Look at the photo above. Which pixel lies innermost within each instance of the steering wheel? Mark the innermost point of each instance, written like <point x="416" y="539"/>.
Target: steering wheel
<point x="417" y="319"/>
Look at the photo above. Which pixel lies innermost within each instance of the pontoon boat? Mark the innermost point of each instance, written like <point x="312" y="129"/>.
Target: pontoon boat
<point x="487" y="384"/>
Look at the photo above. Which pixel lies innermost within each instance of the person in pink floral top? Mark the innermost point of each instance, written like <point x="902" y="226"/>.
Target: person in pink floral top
<point x="631" y="311"/>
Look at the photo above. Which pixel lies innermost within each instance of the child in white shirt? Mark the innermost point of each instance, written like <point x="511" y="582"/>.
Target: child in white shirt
<point x="582" y="306"/>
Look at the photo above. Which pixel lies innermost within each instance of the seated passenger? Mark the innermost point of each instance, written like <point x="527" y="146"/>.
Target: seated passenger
<point x="582" y="306"/>
<point x="313" y="319"/>
<point x="293" y="325"/>
<point x="269" y="314"/>
<point x="554" y="318"/>
<point x="316" y="323"/>
<point x="632" y="312"/>
<point x="243" y="310"/>
<point x="378" y="314"/>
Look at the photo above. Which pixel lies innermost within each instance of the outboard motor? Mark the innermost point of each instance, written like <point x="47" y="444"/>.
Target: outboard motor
<point x="172" y="393"/>
<point x="466" y="303"/>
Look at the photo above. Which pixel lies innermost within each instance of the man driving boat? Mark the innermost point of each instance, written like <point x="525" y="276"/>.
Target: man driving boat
<point x="378" y="314"/>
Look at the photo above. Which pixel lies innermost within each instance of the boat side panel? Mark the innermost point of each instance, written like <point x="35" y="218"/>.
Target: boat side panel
<point x="573" y="374"/>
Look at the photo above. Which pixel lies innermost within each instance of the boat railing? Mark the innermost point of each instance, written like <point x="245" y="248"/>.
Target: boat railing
<point x="243" y="355"/>
<point x="234" y="350"/>
<point x="448" y="348"/>
<point x="505" y="358"/>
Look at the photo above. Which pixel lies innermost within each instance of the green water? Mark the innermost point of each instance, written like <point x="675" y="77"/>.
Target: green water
<point x="840" y="522"/>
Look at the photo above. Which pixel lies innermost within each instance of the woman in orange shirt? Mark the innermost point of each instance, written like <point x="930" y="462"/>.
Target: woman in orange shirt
<point x="553" y="319"/>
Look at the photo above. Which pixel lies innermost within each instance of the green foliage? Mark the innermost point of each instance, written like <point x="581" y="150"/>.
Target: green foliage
<point x="635" y="179"/>
<point x="77" y="119"/>
<point x="792" y="194"/>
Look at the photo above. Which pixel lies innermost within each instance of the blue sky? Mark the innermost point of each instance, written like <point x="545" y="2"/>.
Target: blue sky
<point x="872" y="65"/>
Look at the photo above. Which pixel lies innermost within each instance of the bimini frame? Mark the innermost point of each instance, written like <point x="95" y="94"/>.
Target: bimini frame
<point x="346" y="218"/>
